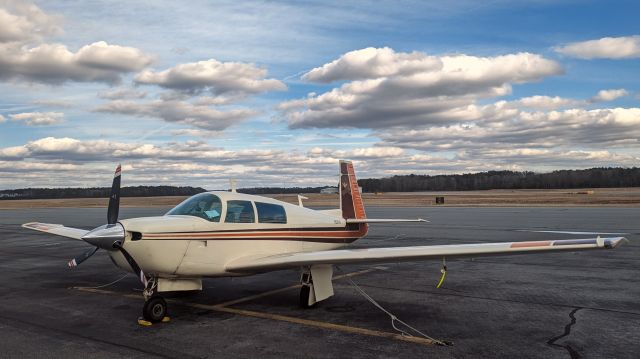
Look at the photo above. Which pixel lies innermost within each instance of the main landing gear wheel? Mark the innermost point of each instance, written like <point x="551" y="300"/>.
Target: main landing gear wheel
<point x="155" y="309"/>
<point x="305" y="291"/>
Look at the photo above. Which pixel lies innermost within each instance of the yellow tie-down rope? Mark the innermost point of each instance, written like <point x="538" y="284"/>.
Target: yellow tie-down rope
<point x="443" y="271"/>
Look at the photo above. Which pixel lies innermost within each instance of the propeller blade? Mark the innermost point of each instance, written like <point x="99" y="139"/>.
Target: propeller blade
<point x="132" y="263"/>
<point x="81" y="258"/>
<point x="114" y="199"/>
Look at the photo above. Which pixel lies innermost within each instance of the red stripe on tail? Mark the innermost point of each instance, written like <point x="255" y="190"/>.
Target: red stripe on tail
<point x="350" y="196"/>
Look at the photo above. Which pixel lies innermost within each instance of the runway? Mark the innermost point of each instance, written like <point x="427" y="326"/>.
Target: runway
<point x="560" y="305"/>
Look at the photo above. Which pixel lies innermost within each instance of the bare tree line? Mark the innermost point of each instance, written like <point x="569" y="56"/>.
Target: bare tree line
<point x="588" y="178"/>
<point x="98" y="192"/>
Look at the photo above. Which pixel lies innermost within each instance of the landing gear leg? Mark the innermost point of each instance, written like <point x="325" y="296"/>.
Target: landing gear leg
<point x="155" y="307"/>
<point x="306" y="290"/>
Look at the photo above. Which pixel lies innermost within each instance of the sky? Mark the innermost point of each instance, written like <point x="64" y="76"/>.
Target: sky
<point x="274" y="93"/>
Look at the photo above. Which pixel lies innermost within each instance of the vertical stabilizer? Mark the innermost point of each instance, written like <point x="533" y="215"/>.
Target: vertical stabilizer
<point x="350" y="197"/>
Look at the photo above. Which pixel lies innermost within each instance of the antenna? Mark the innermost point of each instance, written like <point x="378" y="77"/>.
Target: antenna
<point x="300" y="198"/>
<point x="340" y="187"/>
<point x="233" y="183"/>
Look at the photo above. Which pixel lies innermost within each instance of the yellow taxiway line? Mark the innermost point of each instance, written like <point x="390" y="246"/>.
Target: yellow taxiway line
<point x="224" y="308"/>
<point x="314" y="323"/>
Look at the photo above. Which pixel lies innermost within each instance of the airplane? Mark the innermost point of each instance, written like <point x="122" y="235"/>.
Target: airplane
<point x="226" y="233"/>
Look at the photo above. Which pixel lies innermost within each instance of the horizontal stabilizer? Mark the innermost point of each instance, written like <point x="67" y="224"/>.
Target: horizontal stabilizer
<point x="383" y="220"/>
<point x="57" y="229"/>
<point x="406" y="254"/>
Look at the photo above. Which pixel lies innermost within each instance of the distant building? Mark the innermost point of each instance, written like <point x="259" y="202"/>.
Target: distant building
<point x="9" y="195"/>
<point x="329" y="190"/>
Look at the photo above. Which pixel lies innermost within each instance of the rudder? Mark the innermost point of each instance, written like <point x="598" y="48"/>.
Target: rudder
<point x="350" y="197"/>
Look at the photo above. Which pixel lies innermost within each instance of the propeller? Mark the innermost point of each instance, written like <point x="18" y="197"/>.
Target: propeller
<point x="136" y="268"/>
<point x="111" y="235"/>
<point x="83" y="257"/>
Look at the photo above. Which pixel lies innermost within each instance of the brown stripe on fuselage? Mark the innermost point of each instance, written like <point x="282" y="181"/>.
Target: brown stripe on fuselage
<point x="290" y="239"/>
<point x="330" y="236"/>
<point x="293" y="229"/>
<point x="531" y="244"/>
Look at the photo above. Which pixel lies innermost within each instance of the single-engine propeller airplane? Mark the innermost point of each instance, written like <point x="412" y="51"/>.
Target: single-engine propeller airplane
<point x="220" y="233"/>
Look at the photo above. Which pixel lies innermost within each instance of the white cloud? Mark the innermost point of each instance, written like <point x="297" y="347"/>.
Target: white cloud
<point x="196" y="133"/>
<point x="122" y="94"/>
<point x="373" y="63"/>
<point x="22" y="21"/>
<point x="215" y="76"/>
<point x="545" y="159"/>
<point x="101" y="55"/>
<point x="401" y="92"/>
<point x="55" y="64"/>
<point x="57" y="161"/>
<point x="199" y="116"/>
<point x="38" y="118"/>
<point x="229" y="82"/>
<point x="609" y="95"/>
<point x="545" y="102"/>
<point x="626" y="47"/>
<point x="2" y="119"/>
<point x="53" y="103"/>
<point x="596" y="129"/>
<point x="24" y="54"/>
<point x="541" y="102"/>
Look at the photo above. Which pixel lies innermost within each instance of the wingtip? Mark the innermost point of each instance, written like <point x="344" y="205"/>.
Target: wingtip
<point x="27" y="225"/>
<point x="615" y="242"/>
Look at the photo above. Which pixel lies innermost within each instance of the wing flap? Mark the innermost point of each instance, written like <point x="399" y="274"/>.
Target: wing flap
<point x="405" y="254"/>
<point x="57" y="229"/>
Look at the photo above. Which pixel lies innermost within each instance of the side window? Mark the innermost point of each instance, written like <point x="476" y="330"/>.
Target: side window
<point x="271" y="213"/>
<point x="240" y="212"/>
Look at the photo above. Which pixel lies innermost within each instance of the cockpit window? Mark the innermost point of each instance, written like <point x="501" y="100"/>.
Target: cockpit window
<point x="203" y="205"/>
<point x="239" y="212"/>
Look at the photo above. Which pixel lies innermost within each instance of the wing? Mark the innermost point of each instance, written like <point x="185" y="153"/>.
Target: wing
<point x="57" y="229"/>
<point x="405" y="254"/>
<point x="383" y="220"/>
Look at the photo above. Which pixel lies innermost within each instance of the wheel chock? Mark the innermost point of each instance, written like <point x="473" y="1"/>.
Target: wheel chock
<point x="144" y="323"/>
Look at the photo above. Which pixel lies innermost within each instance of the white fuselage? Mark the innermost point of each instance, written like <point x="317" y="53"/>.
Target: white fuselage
<point x="191" y="246"/>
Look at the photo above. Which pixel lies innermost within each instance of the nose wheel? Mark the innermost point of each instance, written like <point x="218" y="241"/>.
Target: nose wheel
<point x="155" y="309"/>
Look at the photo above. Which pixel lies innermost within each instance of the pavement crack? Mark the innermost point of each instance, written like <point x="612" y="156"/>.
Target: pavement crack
<point x="567" y="331"/>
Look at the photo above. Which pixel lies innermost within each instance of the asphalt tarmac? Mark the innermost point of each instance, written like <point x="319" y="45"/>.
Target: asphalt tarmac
<point x="557" y="305"/>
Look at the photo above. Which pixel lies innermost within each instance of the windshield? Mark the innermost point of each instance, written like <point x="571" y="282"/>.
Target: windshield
<point x="203" y="205"/>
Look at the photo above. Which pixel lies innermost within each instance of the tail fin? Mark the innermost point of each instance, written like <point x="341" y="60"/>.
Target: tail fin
<point x="350" y="197"/>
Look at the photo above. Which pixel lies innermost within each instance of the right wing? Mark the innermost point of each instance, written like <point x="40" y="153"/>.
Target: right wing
<point x="57" y="229"/>
<point x="405" y="254"/>
<point x="383" y="220"/>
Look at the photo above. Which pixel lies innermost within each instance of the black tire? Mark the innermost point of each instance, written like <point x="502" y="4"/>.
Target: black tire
<point x="305" y="291"/>
<point x="155" y="309"/>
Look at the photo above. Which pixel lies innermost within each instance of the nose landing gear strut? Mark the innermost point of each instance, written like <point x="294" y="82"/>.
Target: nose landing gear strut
<point x="155" y="307"/>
